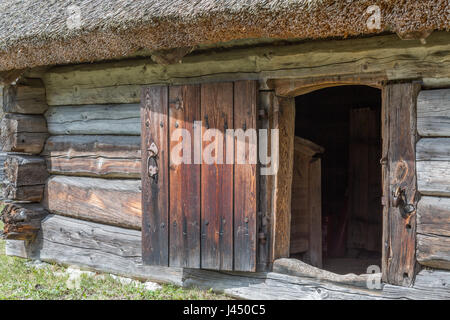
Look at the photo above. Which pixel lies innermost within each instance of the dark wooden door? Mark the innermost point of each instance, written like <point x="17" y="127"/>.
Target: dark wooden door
<point x="197" y="213"/>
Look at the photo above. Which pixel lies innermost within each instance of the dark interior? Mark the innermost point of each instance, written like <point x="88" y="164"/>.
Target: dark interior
<point x="345" y="121"/>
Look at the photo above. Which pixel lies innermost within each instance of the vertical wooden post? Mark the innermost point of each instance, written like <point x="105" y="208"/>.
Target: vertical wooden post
<point x="399" y="183"/>
<point x="284" y="121"/>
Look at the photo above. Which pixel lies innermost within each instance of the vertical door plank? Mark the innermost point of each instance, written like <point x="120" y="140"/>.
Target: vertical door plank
<point x="284" y="121"/>
<point x="400" y="241"/>
<point x="374" y="194"/>
<point x="217" y="181"/>
<point x="358" y="178"/>
<point x="315" y="214"/>
<point x="184" y="216"/>
<point x="155" y="192"/>
<point x="245" y="178"/>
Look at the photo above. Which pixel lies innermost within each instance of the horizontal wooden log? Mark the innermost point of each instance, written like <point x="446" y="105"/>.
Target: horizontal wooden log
<point x="296" y="267"/>
<point x="433" y="177"/>
<point x="23" y="193"/>
<point x="120" y="119"/>
<point x="433" y="149"/>
<point x="433" y="251"/>
<point x="22" y="221"/>
<point x="25" y="170"/>
<point x="433" y="113"/>
<point x="26" y="97"/>
<point x="23" y="133"/>
<point x="108" y="201"/>
<point x="433" y="232"/>
<point x="92" y="246"/>
<point x="90" y="155"/>
<point x="429" y="285"/>
<point x="433" y="216"/>
<point x="24" y="178"/>
<point x="384" y="56"/>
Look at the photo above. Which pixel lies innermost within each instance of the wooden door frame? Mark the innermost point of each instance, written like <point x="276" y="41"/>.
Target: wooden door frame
<point x="284" y="93"/>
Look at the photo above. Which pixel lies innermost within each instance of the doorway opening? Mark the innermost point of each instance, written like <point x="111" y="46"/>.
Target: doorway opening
<point x="336" y="211"/>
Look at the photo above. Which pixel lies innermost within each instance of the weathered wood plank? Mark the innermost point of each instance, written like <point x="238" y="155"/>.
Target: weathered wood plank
<point x="245" y="176"/>
<point x="299" y="268"/>
<point x="216" y="179"/>
<point x="429" y="285"/>
<point x="91" y="155"/>
<point x="433" y="149"/>
<point x="24" y="170"/>
<point x="274" y="286"/>
<point x="93" y="246"/>
<point x="113" y="202"/>
<point x="382" y="55"/>
<point x="23" y="193"/>
<point x="400" y="240"/>
<point x="433" y="178"/>
<point x="433" y="113"/>
<point x="433" y="216"/>
<point x="119" y="119"/>
<point x="24" y="178"/>
<point x="433" y="251"/>
<point x="22" y="221"/>
<point x="284" y="121"/>
<point x="184" y="109"/>
<point x="266" y="102"/>
<point x="433" y="232"/>
<point x="23" y="133"/>
<point x="155" y="175"/>
<point x="26" y="97"/>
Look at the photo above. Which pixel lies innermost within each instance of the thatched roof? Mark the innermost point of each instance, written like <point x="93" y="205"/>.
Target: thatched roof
<point x="44" y="32"/>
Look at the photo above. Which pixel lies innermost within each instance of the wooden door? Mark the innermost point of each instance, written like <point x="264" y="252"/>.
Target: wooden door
<point x="306" y="203"/>
<point x="365" y="216"/>
<point x="400" y="194"/>
<point x="198" y="214"/>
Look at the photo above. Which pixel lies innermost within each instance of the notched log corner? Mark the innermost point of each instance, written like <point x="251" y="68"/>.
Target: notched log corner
<point x="21" y="221"/>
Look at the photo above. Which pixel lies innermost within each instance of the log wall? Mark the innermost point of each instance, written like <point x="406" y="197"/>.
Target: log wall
<point x="433" y="178"/>
<point x="93" y="150"/>
<point x="23" y="131"/>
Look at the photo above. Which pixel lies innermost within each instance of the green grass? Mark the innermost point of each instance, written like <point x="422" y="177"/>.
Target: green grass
<point x="21" y="281"/>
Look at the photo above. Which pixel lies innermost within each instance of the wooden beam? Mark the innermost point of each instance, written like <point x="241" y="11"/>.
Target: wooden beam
<point x="113" y="202"/>
<point x="23" y="133"/>
<point x="383" y="56"/>
<point x="433" y="178"/>
<point x="92" y="155"/>
<point x="429" y="285"/>
<point x="266" y="102"/>
<point x="94" y="119"/>
<point x="399" y="226"/>
<point x="433" y="166"/>
<point x="296" y="87"/>
<point x="433" y="232"/>
<point x="27" y="97"/>
<point x="299" y="268"/>
<point x="93" y="246"/>
<point x="433" y="251"/>
<point x="284" y="121"/>
<point x="22" y="221"/>
<point x="25" y="177"/>
<point x="433" y="113"/>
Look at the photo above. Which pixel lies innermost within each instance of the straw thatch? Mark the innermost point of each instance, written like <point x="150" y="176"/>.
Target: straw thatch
<point x="44" y="32"/>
